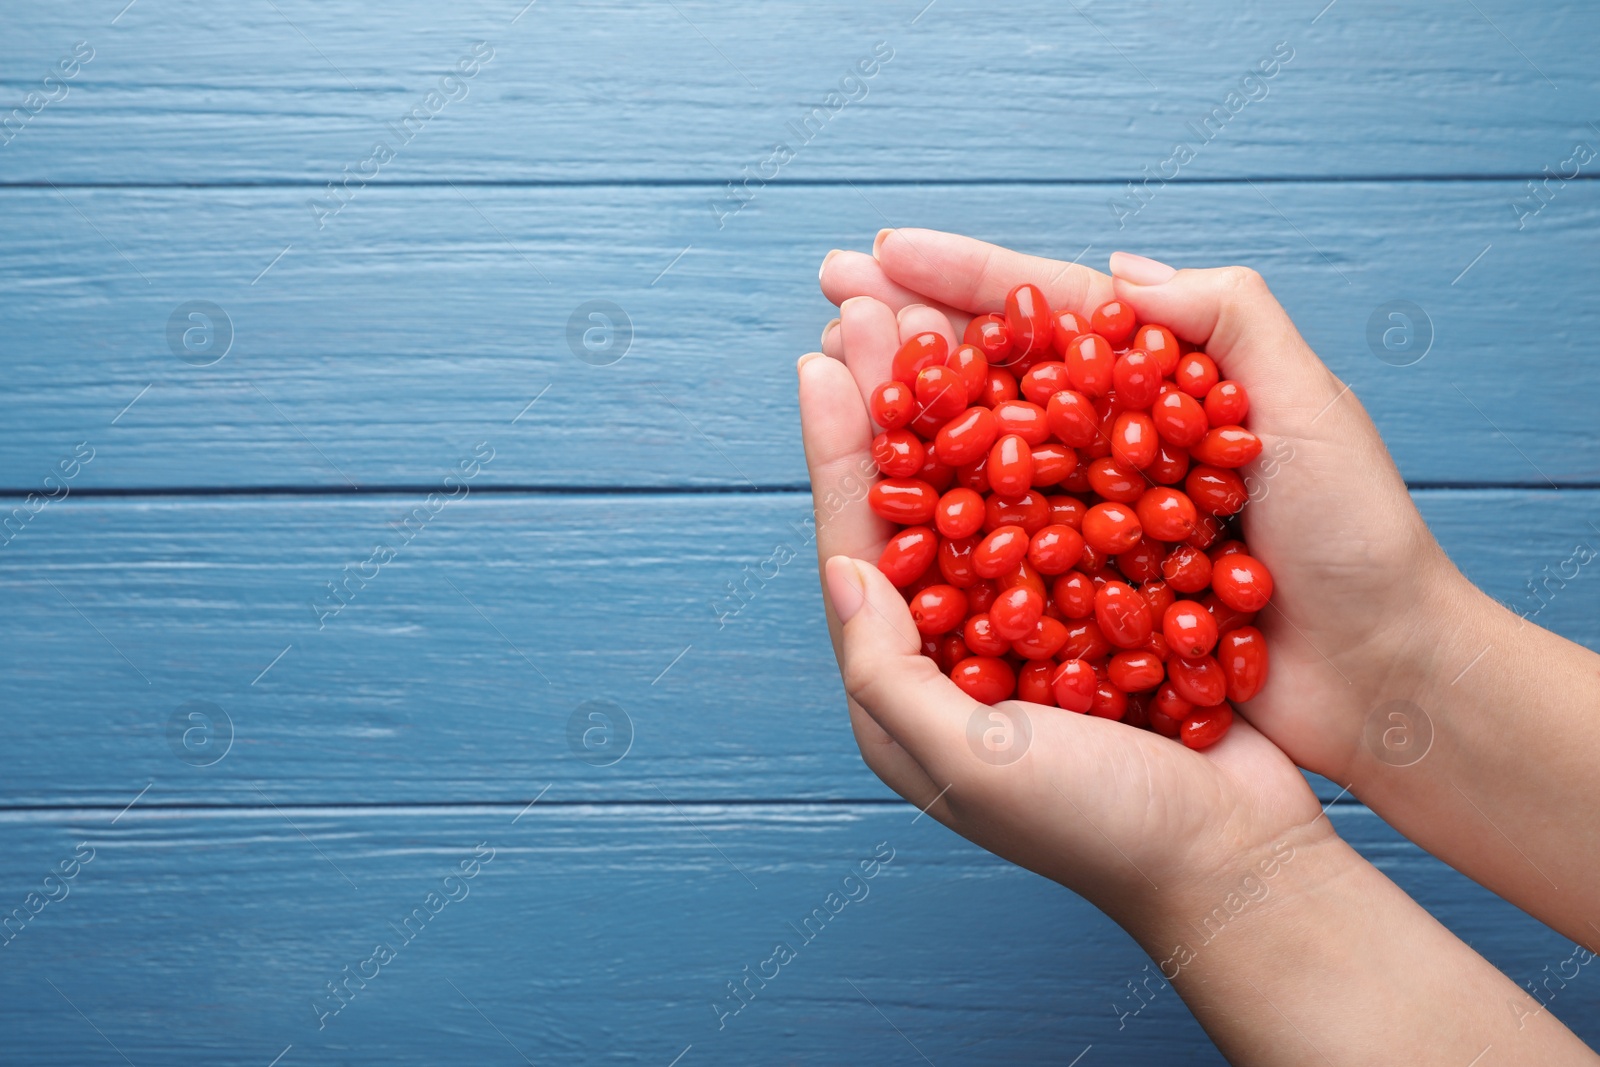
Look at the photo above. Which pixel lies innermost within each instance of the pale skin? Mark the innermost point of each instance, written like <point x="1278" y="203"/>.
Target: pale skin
<point x="1334" y="964"/>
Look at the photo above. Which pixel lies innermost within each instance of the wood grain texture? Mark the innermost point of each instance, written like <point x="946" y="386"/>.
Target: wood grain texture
<point x="206" y="937"/>
<point x="430" y="684"/>
<point x="185" y="92"/>
<point x="421" y="321"/>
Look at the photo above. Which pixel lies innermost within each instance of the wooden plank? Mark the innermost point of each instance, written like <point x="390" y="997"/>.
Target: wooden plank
<point x="618" y="91"/>
<point x="380" y="351"/>
<point x="604" y="934"/>
<point x="456" y="671"/>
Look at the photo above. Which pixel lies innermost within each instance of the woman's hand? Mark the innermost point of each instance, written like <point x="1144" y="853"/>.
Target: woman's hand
<point x="1361" y="587"/>
<point x="1492" y="774"/>
<point x="1130" y="819"/>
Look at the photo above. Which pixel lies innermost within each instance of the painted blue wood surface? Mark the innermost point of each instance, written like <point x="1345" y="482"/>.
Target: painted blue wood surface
<point x="418" y="689"/>
<point x="604" y="934"/>
<point x="186" y="91"/>
<point x="587" y="160"/>
<point x="379" y="352"/>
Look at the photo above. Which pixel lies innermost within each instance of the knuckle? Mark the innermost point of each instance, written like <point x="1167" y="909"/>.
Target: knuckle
<point x="1244" y="280"/>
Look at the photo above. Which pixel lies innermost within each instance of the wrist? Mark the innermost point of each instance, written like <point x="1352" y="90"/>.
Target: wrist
<point x="1179" y="921"/>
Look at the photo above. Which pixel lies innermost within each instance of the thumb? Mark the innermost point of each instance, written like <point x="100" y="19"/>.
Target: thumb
<point x="1230" y="312"/>
<point x="884" y="670"/>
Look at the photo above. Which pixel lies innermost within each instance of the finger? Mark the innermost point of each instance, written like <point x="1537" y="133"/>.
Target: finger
<point x="838" y="440"/>
<point x="920" y="318"/>
<point x="838" y="443"/>
<point x="893" y="765"/>
<point x="1231" y="312"/>
<point x="833" y="340"/>
<point x="975" y="276"/>
<point x="848" y="274"/>
<point x="870" y="335"/>
<point x="884" y="669"/>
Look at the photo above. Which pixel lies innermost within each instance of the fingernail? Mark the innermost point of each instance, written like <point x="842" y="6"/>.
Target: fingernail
<point x="800" y="365"/>
<point x="1139" y="270"/>
<point x="877" y="242"/>
<point x="845" y="587"/>
<point x="824" y="266"/>
<point x="833" y="324"/>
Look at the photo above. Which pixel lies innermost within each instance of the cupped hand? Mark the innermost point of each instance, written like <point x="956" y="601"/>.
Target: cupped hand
<point x="1361" y="586"/>
<point x="1128" y="818"/>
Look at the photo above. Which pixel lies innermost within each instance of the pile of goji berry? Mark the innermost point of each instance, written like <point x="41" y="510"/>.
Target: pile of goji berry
<point x="1065" y="487"/>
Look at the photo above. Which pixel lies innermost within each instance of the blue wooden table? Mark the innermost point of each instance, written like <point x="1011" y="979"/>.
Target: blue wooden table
<point x="371" y="687"/>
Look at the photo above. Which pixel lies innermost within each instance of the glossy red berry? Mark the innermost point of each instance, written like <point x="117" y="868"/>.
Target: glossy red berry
<point x="1115" y="321"/>
<point x="1023" y="418"/>
<point x="1216" y="491"/>
<point x="991" y="337"/>
<point x="1071" y="417"/>
<point x="966" y="438"/>
<point x="1142" y="562"/>
<point x="1190" y="630"/>
<point x="1000" y="552"/>
<point x="1206" y="726"/>
<point x="1136" y="376"/>
<point x="1243" y="655"/>
<point x="1043" y="381"/>
<point x="1122" y="614"/>
<point x="1135" y="670"/>
<point x="1010" y="466"/>
<point x="1199" y="681"/>
<point x="972" y="367"/>
<point x="978" y="632"/>
<point x="1133" y="440"/>
<point x="1179" y="419"/>
<point x="1161" y="344"/>
<point x="1116" y="482"/>
<point x="892" y="405"/>
<point x="941" y="392"/>
<point x="1029" y="511"/>
<point x="899" y="453"/>
<point x="1109" y="702"/>
<point x="1055" y="549"/>
<point x="1073" y="683"/>
<point x="1227" y="404"/>
<point x="955" y="562"/>
<point x="1085" y="640"/>
<point x="959" y="513"/>
<point x="925" y="350"/>
<point x="1090" y="362"/>
<point x="1073" y="593"/>
<point x="1110" y="527"/>
<point x="1052" y="463"/>
<point x="1186" y="569"/>
<point x="1226" y="446"/>
<point x="984" y="678"/>
<point x="1002" y="386"/>
<point x="908" y="501"/>
<point x="1033" y="683"/>
<point x="908" y="555"/>
<point x="1043" y="641"/>
<point x="1166" y="514"/>
<point x="1170" y="465"/>
<point x="1015" y="611"/>
<point x="938" y="609"/>
<point x="1196" y="374"/>
<point x="1242" y="582"/>
<point x="1028" y="321"/>
<point x="1067" y="511"/>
